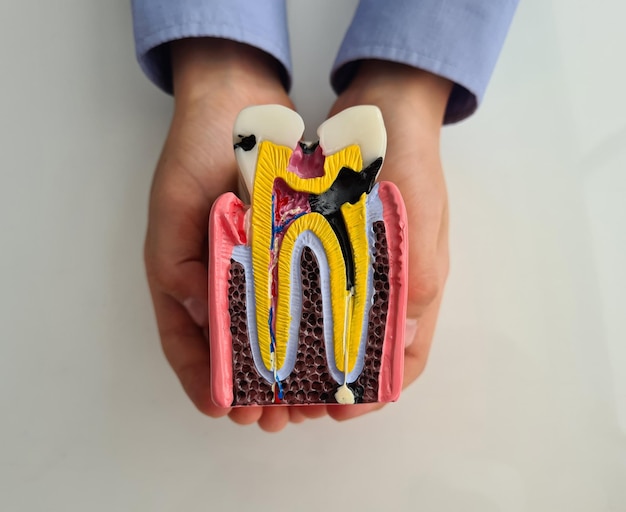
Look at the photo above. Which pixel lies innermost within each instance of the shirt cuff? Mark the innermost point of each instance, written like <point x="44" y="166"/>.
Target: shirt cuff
<point x="456" y="39"/>
<point x="258" y="23"/>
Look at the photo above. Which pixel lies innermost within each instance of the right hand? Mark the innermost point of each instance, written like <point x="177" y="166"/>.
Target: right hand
<point x="214" y="79"/>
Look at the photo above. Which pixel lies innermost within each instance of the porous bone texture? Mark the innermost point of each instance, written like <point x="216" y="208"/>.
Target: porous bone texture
<point x="310" y="381"/>
<point x="248" y="386"/>
<point x="368" y="380"/>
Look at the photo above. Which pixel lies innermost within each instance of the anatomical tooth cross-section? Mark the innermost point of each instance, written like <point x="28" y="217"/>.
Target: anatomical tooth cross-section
<point x="308" y="282"/>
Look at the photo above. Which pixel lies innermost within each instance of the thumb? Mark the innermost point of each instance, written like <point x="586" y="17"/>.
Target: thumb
<point x="188" y="285"/>
<point x="427" y="260"/>
<point x="185" y="281"/>
<point x="175" y="249"/>
<point x="424" y="196"/>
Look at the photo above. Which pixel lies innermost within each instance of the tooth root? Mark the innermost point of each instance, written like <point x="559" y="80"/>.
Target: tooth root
<point x="275" y="123"/>
<point x="362" y="125"/>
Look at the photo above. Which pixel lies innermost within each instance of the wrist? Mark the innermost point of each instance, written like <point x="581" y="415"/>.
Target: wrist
<point x="423" y="92"/>
<point x="202" y="66"/>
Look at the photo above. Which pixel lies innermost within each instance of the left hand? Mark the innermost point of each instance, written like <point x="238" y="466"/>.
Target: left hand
<point x="413" y="103"/>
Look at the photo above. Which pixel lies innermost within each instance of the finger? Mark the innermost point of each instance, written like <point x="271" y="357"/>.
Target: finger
<point x="246" y="415"/>
<point x="296" y="415"/>
<point x="418" y="349"/>
<point x="176" y="244"/>
<point x="314" y="411"/>
<point x="186" y="282"/>
<point x="274" y="419"/>
<point x="347" y="412"/>
<point x="187" y="352"/>
<point x="416" y="354"/>
<point x="425" y="199"/>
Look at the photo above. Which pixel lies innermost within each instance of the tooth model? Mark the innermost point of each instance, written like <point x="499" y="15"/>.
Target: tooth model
<point x="308" y="284"/>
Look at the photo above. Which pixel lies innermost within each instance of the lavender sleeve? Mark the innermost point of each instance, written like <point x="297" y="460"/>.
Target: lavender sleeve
<point x="259" y="23"/>
<point x="457" y="39"/>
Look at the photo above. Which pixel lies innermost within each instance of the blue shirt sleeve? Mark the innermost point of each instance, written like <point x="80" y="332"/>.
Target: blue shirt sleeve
<point x="260" y="23"/>
<point x="457" y="39"/>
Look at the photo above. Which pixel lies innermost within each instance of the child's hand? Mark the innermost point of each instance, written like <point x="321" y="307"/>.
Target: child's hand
<point x="413" y="103"/>
<point x="213" y="80"/>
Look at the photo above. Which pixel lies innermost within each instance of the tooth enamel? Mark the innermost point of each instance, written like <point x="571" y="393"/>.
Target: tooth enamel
<point x="275" y="123"/>
<point x="362" y="125"/>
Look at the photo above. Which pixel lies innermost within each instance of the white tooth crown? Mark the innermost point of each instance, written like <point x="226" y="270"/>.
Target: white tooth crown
<point x="275" y="123"/>
<point x="362" y="125"/>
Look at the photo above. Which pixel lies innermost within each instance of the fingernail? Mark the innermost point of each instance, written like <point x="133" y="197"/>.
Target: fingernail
<point x="410" y="330"/>
<point x="198" y="311"/>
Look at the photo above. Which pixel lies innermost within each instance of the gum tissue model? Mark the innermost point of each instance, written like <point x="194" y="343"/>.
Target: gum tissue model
<point x="307" y="284"/>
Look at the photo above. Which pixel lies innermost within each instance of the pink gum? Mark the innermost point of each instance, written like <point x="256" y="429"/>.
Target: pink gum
<point x="226" y="229"/>
<point x="392" y="364"/>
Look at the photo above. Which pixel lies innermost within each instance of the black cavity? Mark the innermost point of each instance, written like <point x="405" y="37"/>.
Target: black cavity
<point x="348" y="187"/>
<point x="246" y="142"/>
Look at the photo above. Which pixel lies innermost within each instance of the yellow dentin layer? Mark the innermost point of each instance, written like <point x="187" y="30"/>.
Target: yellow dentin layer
<point x="347" y="309"/>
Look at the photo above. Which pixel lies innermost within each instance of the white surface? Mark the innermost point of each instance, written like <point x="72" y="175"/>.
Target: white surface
<point x="523" y="405"/>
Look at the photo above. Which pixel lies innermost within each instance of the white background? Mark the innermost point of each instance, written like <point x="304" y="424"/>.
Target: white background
<point x="523" y="404"/>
